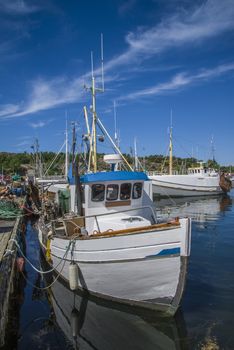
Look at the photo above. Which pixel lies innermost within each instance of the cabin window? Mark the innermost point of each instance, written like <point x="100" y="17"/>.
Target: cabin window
<point x="137" y="190"/>
<point x="112" y="192"/>
<point x="125" y="191"/>
<point x="98" y="193"/>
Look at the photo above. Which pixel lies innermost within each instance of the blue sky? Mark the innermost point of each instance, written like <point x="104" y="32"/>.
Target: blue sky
<point x="158" y="56"/>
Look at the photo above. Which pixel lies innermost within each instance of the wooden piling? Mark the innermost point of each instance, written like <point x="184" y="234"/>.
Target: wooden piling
<point x="8" y="253"/>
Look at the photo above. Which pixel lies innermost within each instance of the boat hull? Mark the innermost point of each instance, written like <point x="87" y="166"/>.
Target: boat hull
<point x="147" y="269"/>
<point x="184" y="186"/>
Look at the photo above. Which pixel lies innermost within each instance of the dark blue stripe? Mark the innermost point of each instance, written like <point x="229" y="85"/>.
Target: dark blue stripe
<point x="172" y="251"/>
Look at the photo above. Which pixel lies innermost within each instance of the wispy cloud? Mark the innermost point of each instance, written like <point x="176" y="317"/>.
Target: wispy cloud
<point x="40" y="123"/>
<point x="209" y="20"/>
<point x="46" y="95"/>
<point x="180" y="81"/>
<point x="8" y="109"/>
<point x="19" y="7"/>
<point x="23" y="143"/>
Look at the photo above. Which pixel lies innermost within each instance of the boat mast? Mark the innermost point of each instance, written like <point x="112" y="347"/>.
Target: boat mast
<point x="135" y="155"/>
<point x="66" y="149"/>
<point x="93" y="143"/>
<point x="38" y="161"/>
<point x="170" y="149"/>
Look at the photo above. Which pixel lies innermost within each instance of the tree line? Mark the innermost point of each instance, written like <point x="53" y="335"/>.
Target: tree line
<point x="19" y="163"/>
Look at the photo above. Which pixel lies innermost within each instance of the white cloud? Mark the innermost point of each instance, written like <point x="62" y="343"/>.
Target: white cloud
<point x="8" y="109"/>
<point x="48" y="94"/>
<point x="23" y="143"/>
<point x="37" y="125"/>
<point x="40" y="123"/>
<point x="209" y="20"/>
<point x="179" y="81"/>
<point x="19" y="7"/>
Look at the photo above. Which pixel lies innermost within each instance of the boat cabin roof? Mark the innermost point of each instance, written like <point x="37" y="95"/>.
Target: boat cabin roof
<point x="109" y="176"/>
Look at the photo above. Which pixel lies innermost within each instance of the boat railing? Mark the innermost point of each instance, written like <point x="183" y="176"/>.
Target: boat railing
<point x="81" y="219"/>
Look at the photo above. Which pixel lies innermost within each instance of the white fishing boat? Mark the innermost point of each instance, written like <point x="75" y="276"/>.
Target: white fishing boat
<point x="118" y="248"/>
<point x="111" y="243"/>
<point x="198" y="181"/>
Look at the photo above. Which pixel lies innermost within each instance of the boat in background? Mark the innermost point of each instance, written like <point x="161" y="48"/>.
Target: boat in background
<point x="199" y="181"/>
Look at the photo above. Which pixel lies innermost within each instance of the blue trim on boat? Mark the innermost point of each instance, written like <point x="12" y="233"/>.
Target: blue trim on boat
<point x="111" y="176"/>
<point x="172" y="251"/>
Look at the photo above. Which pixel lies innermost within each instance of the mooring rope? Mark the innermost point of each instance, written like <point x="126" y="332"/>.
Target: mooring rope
<point x="50" y="285"/>
<point x="34" y="268"/>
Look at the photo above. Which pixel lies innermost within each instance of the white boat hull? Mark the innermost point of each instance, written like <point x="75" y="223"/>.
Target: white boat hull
<point x="185" y="185"/>
<point x="145" y="268"/>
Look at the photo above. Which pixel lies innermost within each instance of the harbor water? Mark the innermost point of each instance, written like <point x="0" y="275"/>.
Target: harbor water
<point x="46" y="314"/>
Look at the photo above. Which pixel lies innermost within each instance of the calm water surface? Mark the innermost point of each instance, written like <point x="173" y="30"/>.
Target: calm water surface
<point x="57" y="318"/>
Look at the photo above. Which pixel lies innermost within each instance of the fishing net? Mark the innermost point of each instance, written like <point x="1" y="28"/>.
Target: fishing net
<point x="9" y="209"/>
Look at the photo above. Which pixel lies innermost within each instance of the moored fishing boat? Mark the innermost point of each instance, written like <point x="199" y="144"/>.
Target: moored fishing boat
<point x="119" y="249"/>
<point x="198" y="181"/>
<point x="110" y="242"/>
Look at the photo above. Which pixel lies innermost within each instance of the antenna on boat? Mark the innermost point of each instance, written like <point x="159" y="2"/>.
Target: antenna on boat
<point x="73" y="146"/>
<point x="66" y="148"/>
<point x="96" y="120"/>
<point x="102" y="63"/>
<point x="170" y="148"/>
<point x="116" y="134"/>
<point x="212" y="148"/>
<point x="135" y="154"/>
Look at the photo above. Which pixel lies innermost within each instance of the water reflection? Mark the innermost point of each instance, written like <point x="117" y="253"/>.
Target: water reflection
<point x="94" y="324"/>
<point x="200" y="209"/>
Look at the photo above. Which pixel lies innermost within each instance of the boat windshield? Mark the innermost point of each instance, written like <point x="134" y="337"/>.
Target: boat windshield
<point x="98" y="192"/>
<point x="125" y="191"/>
<point x="112" y="192"/>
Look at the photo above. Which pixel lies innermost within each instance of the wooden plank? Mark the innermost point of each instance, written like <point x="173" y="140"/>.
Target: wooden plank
<point x="7" y="272"/>
<point x="117" y="203"/>
<point x="134" y="230"/>
<point x="4" y="238"/>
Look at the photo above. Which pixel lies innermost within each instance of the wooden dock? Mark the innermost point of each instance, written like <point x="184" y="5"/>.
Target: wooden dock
<point x="8" y="231"/>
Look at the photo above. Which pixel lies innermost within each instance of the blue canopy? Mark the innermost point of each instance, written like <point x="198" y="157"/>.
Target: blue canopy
<point x="111" y="176"/>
